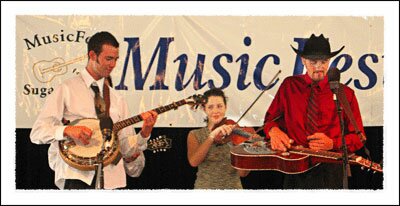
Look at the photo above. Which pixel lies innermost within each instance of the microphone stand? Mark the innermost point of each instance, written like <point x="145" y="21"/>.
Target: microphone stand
<point x="99" y="168"/>
<point x="99" y="158"/>
<point x="348" y="112"/>
<point x="345" y="156"/>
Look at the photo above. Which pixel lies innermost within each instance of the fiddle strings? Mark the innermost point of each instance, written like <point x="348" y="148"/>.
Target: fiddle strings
<point x="246" y="134"/>
<point x="241" y="132"/>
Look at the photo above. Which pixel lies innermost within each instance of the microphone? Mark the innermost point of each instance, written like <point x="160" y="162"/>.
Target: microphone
<point x="106" y="125"/>
<point x="334" y="78"/>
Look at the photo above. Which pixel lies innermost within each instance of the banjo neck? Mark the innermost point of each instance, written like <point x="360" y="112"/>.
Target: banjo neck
<point x="135" y="119"/>
<point x="83" y="157"/>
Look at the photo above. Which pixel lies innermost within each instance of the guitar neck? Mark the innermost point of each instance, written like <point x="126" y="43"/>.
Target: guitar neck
<point x="318" y="153"/>
<point x="353" y="159"/>
<point x="365" y="163"/>
<point x="135" y="119"/>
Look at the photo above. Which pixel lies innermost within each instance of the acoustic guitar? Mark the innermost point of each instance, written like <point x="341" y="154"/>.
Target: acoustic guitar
<point x="259" y="156"/>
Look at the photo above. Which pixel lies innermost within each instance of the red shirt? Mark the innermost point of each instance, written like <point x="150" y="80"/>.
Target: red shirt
<point x="290" y="105"/>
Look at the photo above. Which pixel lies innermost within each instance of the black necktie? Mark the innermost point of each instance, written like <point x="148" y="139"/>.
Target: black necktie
<point x="312" y="112"/>
<point x="99" y="103"/>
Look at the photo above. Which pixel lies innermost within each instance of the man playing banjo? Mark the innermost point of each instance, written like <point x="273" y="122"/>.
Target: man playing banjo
<point x="76" y="99"/>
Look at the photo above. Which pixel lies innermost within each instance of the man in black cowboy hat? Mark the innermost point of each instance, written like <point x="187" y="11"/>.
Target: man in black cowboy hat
<point x="303" y="113"/>
<point x="317" y="50"/>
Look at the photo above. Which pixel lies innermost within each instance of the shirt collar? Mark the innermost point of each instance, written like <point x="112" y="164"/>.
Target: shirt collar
<point x="321" y="84"/>
<point x="88" y="79"/>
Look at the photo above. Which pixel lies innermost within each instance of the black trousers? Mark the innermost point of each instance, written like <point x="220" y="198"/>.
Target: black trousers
<point x="73" y="184"/>
<point x="324" y="176"/>
<point x="263" y="180"/>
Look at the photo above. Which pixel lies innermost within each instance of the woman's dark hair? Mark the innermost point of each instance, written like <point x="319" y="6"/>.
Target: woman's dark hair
<point x="97" y="41"/>
<point x="214" y="92"/>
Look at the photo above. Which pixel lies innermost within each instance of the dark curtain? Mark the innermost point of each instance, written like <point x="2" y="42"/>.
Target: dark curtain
<point x="171" y="170"/>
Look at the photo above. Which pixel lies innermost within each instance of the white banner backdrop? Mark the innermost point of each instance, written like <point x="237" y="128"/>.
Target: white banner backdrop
<point x="168" y="58"/>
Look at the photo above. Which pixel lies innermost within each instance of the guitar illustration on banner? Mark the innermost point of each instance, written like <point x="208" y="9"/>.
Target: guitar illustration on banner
<point x="45" y="71"/>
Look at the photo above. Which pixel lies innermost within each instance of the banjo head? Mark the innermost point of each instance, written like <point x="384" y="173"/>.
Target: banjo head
<point x="83" y="157"/>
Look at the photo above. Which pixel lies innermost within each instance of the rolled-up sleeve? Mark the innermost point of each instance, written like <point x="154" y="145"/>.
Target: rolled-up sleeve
<point x="48" y="126"/>
<point x="137" y="144"/>
<point x="274" y="112"/>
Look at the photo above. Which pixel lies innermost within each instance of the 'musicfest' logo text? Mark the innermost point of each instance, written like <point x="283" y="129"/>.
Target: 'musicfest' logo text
<point x="161" y="49"/>
<point x="46" y="70"/>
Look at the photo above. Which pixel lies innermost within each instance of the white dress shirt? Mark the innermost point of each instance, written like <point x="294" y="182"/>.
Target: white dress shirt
<point x="74" y="99"/>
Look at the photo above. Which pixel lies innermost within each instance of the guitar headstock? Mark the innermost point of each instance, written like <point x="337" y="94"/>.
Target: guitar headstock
<point x="195" y="100"/>
<point x="159" y="144"/>
<point x="368" y="164"/>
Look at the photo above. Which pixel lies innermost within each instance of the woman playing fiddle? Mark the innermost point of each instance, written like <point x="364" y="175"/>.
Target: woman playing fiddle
<point x="205" y="150"/>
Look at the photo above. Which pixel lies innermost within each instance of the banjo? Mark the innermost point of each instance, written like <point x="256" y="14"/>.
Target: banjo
<point x="84" y="157"/>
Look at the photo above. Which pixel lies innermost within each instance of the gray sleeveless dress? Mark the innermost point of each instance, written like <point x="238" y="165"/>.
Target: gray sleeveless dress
<point x="215" y="172"/>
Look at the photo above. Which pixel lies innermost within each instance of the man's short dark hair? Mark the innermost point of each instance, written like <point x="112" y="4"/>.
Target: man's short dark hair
<point x="97" y="41"/>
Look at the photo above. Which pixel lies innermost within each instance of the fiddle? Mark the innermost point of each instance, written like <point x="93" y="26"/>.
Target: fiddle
<point x="238" y="134"/>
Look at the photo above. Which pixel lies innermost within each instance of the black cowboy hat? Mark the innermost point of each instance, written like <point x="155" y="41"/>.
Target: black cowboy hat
<point x="317" y="48"/>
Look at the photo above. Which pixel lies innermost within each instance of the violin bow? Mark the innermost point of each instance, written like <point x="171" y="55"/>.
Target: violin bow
<point x="262" y="92"/>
